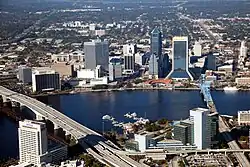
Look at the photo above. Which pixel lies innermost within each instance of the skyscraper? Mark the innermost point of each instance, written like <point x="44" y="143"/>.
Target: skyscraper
<point x="156" y="42"/>
<point x="211" y="61"/>
<point x="202" y="127"/>
<point x="96" y="53"/>
<point x="32" y="142"/>
<point x="155" y="64"/>
<point x="129" y="62"/>
<point x="180" y="59"/>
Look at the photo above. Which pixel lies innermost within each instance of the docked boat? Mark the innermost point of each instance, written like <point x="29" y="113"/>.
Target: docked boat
<point x="230" y="89"/>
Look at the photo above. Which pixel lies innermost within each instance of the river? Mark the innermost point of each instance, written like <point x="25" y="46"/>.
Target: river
<point x="88" y="109"/>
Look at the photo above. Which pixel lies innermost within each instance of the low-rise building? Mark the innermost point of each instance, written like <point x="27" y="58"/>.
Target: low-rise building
<point x="45" y="79"/>
<point x="244" y="117"/>
<point x="242" y="81"/>
<point x="99" y="81"/>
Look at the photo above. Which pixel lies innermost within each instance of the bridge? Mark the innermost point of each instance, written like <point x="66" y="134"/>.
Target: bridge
<point x="223" y="126"/>
<point x="94" y="143"/>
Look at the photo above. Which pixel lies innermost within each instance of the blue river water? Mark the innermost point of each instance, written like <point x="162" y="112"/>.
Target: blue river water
<point x="88" y="109"/>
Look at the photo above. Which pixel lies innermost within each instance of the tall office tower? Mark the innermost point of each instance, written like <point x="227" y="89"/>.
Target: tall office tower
<point x="184" y="132"/>
<point x="202" y="127"/>
<point x="211" y="61"/>
<point x="45" y="79"/>
<point x="197" y="49"/>
<point x="25" y="74"/>
<point x="115" y="71"/>
<point x="153" y="66"/>
<point x="156" y="51"/>
<point x="129" y="49"/>
<point x="180" y="61"/>
<point x="214" y="130"/>
<point x="33" y="144"/>
<point x="96" y="53"/>
<point x="129" y="62"/>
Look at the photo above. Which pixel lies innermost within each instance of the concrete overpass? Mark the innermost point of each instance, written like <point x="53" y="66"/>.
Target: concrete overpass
<point x="93" y="142"/>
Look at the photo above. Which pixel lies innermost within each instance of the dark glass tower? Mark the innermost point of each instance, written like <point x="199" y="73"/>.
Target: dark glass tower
<point x="180" y="59"/>
<point x="156" y="53"/>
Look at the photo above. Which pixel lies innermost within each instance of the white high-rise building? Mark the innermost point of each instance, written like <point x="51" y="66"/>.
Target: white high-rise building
<point x="202" y="127"/>
<point x="129" y="49"/>
<point x="243" y="49"/>
<point x="197" y="49"/>
<point x="33" y="144"/>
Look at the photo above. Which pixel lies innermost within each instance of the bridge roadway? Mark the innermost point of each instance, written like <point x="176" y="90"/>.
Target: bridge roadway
<point x="107" y="154"/>
<point x="223" y="127"/>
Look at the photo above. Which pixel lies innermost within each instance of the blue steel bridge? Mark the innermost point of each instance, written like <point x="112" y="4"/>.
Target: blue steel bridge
<point x="205" y="91"/>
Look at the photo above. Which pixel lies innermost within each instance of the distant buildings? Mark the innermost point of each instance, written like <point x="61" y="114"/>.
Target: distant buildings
<point x="129" y="62"/>
<point x="129" y="52"/>
<point x="243" y="81"/>
<point x="180" y="61"/>
<point x="129" y="49"/>
<point x="211" y="61"/>
<point x="153" y="66"/>
<point x="67" y="57"/>
<point x="115" y="71"/>
<point x="197" y="49"/>
<point x="25" y="74"/>
<point x="96" y="53"/>
<point x="45" y="79"/>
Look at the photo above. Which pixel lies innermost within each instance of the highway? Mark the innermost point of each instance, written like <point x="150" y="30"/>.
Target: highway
<point x="224" y="129"/>
<point x="106" y="151"/>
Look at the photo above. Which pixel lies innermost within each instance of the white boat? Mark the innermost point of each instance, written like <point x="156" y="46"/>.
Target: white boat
<point x="134" y="114"/>
<point x="107" y="117"/>
<point x="128" y="115"/>
<point x="230" y="89"/>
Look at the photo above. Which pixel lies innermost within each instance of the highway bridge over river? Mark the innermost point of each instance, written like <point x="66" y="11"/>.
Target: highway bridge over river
<point x="95" y="144"/>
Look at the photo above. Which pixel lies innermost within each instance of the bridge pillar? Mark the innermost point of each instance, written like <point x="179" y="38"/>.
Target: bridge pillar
<point x="39" y="117"/>
<point x="21" y="106"/>
<point x="5" y="99"/>
<point x="67" y="136"/>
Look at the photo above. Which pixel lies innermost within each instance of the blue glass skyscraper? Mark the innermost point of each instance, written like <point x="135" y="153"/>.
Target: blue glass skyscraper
<point x="156" y="59"/>
<point x="180" y="59"/>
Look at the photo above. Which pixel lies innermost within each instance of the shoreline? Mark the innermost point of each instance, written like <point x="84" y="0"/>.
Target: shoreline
<point x="83" y="90"/>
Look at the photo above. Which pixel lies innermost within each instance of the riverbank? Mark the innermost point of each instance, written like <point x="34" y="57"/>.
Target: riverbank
<point x="86" y="90"/>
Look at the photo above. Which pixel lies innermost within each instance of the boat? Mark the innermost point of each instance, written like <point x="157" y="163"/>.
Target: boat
<point x="134" y="114"/>
<point x="128" y="115"/>
<point x="106" y="117"/>
<point x="230" y="89"/>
